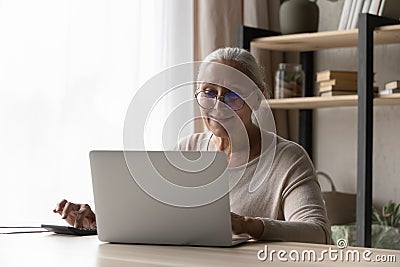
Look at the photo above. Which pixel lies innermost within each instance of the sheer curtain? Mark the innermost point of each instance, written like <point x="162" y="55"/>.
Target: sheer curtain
<point x="68" y="70"/>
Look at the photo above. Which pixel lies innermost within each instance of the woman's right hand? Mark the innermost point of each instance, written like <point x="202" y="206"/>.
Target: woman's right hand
<point x="76" y="215"/>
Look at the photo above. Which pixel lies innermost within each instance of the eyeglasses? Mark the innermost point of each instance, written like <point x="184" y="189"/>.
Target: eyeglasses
<point x="208" y="99"/>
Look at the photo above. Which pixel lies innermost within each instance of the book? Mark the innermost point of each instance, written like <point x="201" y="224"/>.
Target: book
<point x="335" y="93"/>
<point x="331" y="88"/>
<point x="357" y="11"/>
<point x="351" y="14"/>
<point x="389" y="9"/>
<point x="323" y="89"/>
<point x="392" y="85"/>
<point x="339" y="83"/>
<point x="367" y="4"/>
<point x="345" y="15"/>
<point x="374" y="7"/>
<point x="389" y="91"/>
<point x="336" y="74"/>
<point x="381" y="6"/>
<point x="338" y="92"/>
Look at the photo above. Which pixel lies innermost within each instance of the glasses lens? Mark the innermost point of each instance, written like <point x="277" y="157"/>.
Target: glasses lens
<point x="233" y="100"/>
<point x="206" y="99"/>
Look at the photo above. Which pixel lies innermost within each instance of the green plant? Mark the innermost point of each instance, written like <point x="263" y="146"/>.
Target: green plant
<point x="390" y="215"/>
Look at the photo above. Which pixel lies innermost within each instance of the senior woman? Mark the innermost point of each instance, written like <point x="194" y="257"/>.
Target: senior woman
<point x="287" y="205"/>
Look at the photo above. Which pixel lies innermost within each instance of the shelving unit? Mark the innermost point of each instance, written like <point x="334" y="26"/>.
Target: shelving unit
<point x="329" y="102"/>
<point x="371" y="30"/>
<point x="325" y="40"/>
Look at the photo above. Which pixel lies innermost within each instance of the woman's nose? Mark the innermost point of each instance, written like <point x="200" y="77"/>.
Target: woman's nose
<point x="220" y="104"/>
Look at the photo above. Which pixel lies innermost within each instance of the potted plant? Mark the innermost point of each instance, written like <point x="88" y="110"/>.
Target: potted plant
<point x="390" y="215"/>
<point x="384" y="230"/>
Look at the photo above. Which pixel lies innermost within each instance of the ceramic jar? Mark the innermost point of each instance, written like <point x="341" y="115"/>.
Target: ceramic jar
<point x="298" y="16"/>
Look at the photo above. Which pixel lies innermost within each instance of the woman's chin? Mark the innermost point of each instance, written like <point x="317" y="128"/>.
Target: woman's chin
<point x="217" y="129"/>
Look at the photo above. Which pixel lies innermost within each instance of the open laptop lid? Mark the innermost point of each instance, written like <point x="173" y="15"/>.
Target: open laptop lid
<point x="135" y="207"/>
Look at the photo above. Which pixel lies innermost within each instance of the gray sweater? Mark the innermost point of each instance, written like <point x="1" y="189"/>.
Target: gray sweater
<point x="287" y="196"/>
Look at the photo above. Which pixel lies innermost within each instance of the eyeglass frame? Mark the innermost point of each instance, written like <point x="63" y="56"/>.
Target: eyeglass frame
<point x="217" y="98"/>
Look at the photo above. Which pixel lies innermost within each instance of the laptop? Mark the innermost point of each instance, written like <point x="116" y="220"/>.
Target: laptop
<point x="162" y="197"/>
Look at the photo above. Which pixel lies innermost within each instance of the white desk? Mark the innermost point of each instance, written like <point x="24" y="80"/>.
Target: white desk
<point x="45" y="249"/>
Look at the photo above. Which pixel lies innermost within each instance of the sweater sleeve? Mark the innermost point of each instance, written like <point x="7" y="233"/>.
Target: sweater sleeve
<point x="301" y="202"/>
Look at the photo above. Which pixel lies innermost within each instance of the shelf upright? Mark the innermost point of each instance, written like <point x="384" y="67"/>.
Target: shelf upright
<point x="366" y="26"/>
<point x="306" y="115"/>
<point x="246" y="34"/>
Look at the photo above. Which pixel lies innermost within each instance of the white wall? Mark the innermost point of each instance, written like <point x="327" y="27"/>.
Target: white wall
<point x="335" y="143"/>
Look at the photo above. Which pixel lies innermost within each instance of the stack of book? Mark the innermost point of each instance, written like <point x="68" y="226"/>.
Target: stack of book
<point x="337" y="82"/>
<point x="334" y="82"/>
<point x="392" y="87"/>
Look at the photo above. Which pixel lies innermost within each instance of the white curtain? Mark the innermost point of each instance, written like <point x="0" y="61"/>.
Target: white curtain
<point x="68" y="70"/>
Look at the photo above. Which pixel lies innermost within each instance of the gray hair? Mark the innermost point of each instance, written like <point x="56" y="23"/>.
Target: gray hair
<point x="244" y="59"/>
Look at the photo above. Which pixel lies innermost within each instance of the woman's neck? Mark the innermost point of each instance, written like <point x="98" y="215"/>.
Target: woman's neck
<point x="237" y="156"/>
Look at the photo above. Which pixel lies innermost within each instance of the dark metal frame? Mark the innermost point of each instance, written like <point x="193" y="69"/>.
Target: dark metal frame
<point x="366" y="25"/>
<point x="246" y="34"/>
<point x="306" y="115"/>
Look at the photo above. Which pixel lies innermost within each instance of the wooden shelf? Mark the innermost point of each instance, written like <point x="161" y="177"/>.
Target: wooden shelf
<point x="329" y="101"/>
<point x="323" y="40"/>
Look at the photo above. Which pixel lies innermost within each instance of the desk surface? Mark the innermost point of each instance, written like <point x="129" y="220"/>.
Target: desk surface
<point x="45" y="249"/>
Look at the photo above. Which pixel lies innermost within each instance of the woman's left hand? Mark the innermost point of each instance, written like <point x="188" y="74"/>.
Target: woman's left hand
<point x="246" y="225"/>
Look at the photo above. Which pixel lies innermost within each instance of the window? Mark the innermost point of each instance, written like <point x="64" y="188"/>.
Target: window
<point x="68" y="70"/>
